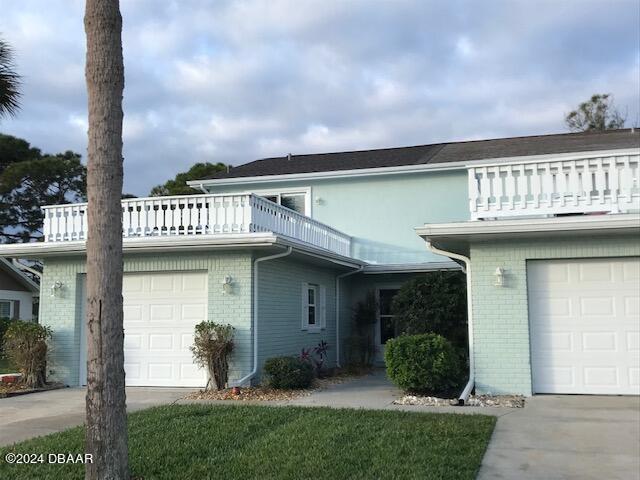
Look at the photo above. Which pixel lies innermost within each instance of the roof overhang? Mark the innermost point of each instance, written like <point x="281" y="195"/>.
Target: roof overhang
<point x="19" y="276"/>
<point x="457" y="237"/>
<point x="403" y="169"/>
<point x="186" y="243"/>
<point x="410" y="268"/>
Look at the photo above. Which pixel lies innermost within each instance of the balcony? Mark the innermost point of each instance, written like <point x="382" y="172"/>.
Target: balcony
<point x="578" y="185"/>
<point x="198" y="215"/>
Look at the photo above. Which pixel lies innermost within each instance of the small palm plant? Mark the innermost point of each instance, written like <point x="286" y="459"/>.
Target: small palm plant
<point x="9" y="82"/>
<point x="212" y="347"/>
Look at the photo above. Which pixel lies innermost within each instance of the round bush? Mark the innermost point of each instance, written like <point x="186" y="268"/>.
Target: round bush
<point x="426" y="363"/>
<point x="288" y="373"/>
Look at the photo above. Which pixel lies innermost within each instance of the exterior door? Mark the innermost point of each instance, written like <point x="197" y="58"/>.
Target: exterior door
<point x="385" y="325"/>
<point x="584" y="320"/>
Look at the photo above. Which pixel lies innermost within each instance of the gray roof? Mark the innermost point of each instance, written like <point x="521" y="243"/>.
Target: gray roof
<point x="437" y="153"/>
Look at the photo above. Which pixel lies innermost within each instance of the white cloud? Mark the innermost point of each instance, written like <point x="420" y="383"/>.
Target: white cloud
<point x="231" y="81"/>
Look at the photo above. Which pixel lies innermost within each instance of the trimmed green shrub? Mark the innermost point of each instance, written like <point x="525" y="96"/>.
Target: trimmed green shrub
<point x="426" y="363"/>
<point x="433" y="303"/>
<point x="25" y="345"/>
<point x="288" y="373"/>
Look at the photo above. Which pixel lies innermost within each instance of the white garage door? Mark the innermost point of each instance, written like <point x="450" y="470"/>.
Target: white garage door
<point x="160" y="312"/>
<point x="584" y="318"/>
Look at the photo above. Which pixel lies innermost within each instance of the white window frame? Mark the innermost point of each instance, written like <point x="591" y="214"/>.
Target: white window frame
<point x="11" y="306"/>
<point x="320" y="306"/>
<point x="272" y="192"/>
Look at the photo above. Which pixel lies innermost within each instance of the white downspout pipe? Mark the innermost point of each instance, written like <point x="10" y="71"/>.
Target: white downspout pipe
<point x="256" y="262"/>
<point x="467" y="262"/>
<point x="338" y="278"/>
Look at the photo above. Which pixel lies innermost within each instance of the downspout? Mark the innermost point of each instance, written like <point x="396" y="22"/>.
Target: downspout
<point x="254" y="370"/>
<point x="338" y="278"/>
<point x="22" y="266"/>
<point x="467" y="269"/>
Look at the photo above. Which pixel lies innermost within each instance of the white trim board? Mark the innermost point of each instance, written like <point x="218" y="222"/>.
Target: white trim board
<point x="547" y="226"/>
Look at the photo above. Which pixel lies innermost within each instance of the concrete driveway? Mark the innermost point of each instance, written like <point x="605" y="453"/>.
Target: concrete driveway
<point x="32" y="415"/>
<point x="563" y="437"/>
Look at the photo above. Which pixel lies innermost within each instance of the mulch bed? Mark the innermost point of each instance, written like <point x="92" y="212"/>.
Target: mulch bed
<point x="15" y="389"/>
<point x="263" y="393"/>
<point x="509" y="401"/>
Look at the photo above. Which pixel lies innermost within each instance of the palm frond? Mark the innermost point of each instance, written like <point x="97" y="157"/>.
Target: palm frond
<point x="9" y="82"/>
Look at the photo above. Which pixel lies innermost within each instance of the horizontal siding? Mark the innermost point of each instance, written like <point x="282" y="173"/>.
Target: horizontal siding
<point x="280" y="308"/>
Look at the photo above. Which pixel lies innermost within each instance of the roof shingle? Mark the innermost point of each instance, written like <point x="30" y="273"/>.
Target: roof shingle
<point x="437" y="153"/>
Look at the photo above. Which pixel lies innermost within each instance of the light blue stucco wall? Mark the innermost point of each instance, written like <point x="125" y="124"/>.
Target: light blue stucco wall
<point x="63" y="312"/>
<point x="280" y="309"/>
<point x="381" y="212"/>
<point x="500" y="314"/>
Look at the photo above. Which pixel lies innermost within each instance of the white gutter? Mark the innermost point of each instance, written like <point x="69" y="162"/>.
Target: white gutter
<point x="22" y="266"/>
<point x="338" y="278"/>
<point x="467" y="261"/>
<point x="254" y="370"/>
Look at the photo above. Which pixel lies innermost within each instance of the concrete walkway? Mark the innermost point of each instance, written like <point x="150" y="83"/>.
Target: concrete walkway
<point x="36" y="414"/>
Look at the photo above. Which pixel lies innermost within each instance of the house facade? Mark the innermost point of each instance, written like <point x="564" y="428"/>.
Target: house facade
<point x="18" y="293"/>
<point x="546" y="229"/>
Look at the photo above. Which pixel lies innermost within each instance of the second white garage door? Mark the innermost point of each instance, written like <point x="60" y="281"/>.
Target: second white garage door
<point x="160" y="313"/>
<point x="584" y="317"/>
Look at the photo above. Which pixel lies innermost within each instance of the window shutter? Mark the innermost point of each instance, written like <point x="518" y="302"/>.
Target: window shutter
<point x="323" y="306"/>
<point x="305" y="307"/>
<point x="16" y="309"/>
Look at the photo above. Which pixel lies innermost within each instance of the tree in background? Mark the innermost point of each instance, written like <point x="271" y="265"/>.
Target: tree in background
<point x="597" y="114"/>
<point x="13" y="149"/>
<point x="178" y="186"/>
<point x="9" y="82"/>
<point x="106" y="424"/>
<point x="433" y="303"/>
<point x="29" y="180"/>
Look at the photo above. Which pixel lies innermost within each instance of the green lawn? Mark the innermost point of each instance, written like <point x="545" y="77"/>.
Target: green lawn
<point x="255" y="442"/>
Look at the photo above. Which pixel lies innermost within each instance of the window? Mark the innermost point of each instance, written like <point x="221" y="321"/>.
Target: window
<point x="6" y="310"/>
<point x="294" y="200"/>
<point x="387" y="319"/>
<point x="313" y="307"/>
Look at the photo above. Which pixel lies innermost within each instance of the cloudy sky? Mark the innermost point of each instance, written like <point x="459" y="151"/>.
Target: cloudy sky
<point x="239" y="80"/>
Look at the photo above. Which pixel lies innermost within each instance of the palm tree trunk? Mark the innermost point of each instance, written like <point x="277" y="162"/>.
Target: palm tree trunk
<point x="106" y="434"/>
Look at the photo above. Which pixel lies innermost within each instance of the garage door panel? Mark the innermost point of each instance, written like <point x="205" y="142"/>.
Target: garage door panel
<point x="599" y="342"/>
<point x="585" y="329"/>
<point x="595" y="272"/>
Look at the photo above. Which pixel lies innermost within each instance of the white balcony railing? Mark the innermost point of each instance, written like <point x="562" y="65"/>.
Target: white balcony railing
<point x="198" y="215"/>
<point x="581" y="185"/>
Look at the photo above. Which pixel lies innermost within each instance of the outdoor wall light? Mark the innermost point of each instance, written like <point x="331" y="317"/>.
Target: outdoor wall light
<point x="499" y="274"/>
<point x="227" y="285"/>
<point x="56" y="289"/>
<point x="318" y="201"/>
